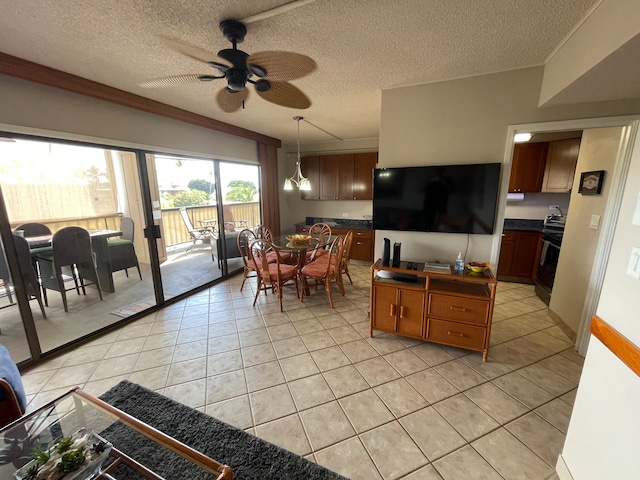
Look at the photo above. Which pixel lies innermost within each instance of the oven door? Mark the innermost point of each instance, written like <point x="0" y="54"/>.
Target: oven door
<point x="548" y="263"/>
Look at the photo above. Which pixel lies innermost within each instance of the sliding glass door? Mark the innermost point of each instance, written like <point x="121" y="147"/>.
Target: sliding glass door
<point x="156" y="226"/>
<point x="55" y="192"/>
<point x="204" y="204"/>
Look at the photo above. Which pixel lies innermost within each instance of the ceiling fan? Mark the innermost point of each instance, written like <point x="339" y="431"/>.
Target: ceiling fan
<point x="269" y="72"/>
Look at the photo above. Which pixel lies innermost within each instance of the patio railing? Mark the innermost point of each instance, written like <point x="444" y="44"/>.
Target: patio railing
<point x="174" y="230"/>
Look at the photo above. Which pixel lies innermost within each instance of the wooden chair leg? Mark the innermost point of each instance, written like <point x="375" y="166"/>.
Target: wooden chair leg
<point x="255" y="299"/>
<point x="327" y="285"/>
<point x="244" y="278"/>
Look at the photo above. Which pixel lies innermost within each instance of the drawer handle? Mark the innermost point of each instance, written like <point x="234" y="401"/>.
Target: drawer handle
<point x="359" y="243"/>
<point x="455" y="334"/>
<point x="455" y="307"/>
<point x="392" y="312"/>
<point x="402" y="311"/>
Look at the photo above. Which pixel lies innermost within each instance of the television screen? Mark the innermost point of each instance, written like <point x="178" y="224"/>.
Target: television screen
<point x="437" y="198"/>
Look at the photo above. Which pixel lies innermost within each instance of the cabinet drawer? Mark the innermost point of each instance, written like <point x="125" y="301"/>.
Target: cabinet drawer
<point x="458" y="308"/>
<point x="362" y="234"/>
<point x="509" y="236"/>
<point x="361" y="249"/>
<point x="456" y="334"/>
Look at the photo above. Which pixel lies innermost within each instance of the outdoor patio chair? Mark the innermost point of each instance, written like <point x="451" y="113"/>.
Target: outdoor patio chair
<point x="28" y="272"/>
<point x="202" y="234"/>
<point x="231" y="225"/>
<point x="122" y="250"/>
<point x="5" y="277"/>
<point x="71" y="251"/>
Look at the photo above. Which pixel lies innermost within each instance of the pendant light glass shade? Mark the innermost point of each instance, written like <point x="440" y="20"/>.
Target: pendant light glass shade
<point x="298" y="179"/>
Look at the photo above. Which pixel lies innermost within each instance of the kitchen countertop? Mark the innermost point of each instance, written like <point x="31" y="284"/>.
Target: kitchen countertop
<point x="523" y="224"/>
<point x="346" y="223"/>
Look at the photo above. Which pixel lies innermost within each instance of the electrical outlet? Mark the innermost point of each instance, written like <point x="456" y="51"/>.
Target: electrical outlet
<point x="595" y="222"/>
<point x="345" y="214"/>
<point x="554" y="207"/>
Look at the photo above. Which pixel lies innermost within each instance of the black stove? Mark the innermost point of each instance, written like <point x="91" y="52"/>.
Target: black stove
<point x="552" y="232"/>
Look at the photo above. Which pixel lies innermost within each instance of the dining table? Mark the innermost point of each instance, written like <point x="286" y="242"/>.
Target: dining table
<point x="300" y="249"/>
<point x="100" y="247"/>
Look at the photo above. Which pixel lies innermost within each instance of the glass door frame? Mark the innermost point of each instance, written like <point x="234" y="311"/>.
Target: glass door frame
<point x="150" y="234"/>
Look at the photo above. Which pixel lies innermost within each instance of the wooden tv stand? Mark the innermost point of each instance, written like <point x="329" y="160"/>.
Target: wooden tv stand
<point x="447" y="308"/>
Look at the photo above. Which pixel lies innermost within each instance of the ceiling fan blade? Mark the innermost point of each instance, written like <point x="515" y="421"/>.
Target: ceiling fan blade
<point x="283" y="66"/>
<point x="177" y="80"/>
<point x="286" y="95"/>
<point x="194" y="51"/>
<point x="231" y="101"/>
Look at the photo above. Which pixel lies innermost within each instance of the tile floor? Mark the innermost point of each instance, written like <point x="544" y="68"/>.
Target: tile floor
<point x="312" y="381"/>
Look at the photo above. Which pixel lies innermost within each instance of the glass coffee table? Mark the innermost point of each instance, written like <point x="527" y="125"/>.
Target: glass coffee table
<point x="76" y="410"/>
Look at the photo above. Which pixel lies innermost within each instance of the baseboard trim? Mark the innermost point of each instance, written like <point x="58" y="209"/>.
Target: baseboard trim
<point x="562" y="470"/>
<point x="563" y="326"/>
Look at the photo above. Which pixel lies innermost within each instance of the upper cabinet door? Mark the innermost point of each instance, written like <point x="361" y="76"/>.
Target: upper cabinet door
<point x="329" y="177"/>
<point x="310" y="169"/>
<point x="527" y="170"/>
<point x="560" y="167"/>
<point x="345" y="177"/>
<point x="364" y="164"/>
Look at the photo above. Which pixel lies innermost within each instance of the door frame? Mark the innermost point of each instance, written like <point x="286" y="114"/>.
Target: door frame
<point x="630" y="124"/>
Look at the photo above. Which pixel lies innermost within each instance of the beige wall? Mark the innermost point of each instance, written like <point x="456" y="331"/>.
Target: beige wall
<point x="598" y="151"/>
<point x="466" y="121"/>
<point x="602" y="438"/>
<point x="32" y="108"/>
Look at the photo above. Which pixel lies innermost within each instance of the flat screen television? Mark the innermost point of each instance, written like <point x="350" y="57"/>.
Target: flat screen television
<point x="437" y="198"/>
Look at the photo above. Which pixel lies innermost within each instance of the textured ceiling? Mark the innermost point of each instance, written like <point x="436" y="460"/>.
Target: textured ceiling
<point x="361" y="47"/>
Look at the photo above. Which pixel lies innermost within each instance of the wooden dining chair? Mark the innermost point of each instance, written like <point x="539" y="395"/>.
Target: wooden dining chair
<point x="245" y="238"/>
<point x="324" y="270"/>
<point x="318" y="230"/>
<point x="71" y="250"/>
<point x="272" y="275"/>
<point x="263" y="232"/>
<point x="346" y="254"/>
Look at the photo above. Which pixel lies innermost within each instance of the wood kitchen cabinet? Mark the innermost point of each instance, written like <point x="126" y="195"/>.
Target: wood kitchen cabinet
<point x="345" y="176"/>
<point x="363" y="166"/>
<point x="448" y="309"/>
<point x="518" y="253"/>
<point x="361" y="246"/>
<point x="310" y="167"/>
<point x="527" y="171"/>
<point x="560" y="166"/>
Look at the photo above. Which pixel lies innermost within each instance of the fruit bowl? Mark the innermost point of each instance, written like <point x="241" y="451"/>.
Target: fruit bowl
<point x="299" y="239"/>
<point x="478" y="266"/>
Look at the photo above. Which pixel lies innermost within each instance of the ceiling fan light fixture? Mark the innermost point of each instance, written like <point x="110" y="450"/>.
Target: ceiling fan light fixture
<point x="298" y="179"/>
<point x="263" y="85"/>
<point x="236" y="80"/>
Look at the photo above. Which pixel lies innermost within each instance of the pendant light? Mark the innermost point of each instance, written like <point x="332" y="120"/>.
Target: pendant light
<point x="300" y="181"/>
